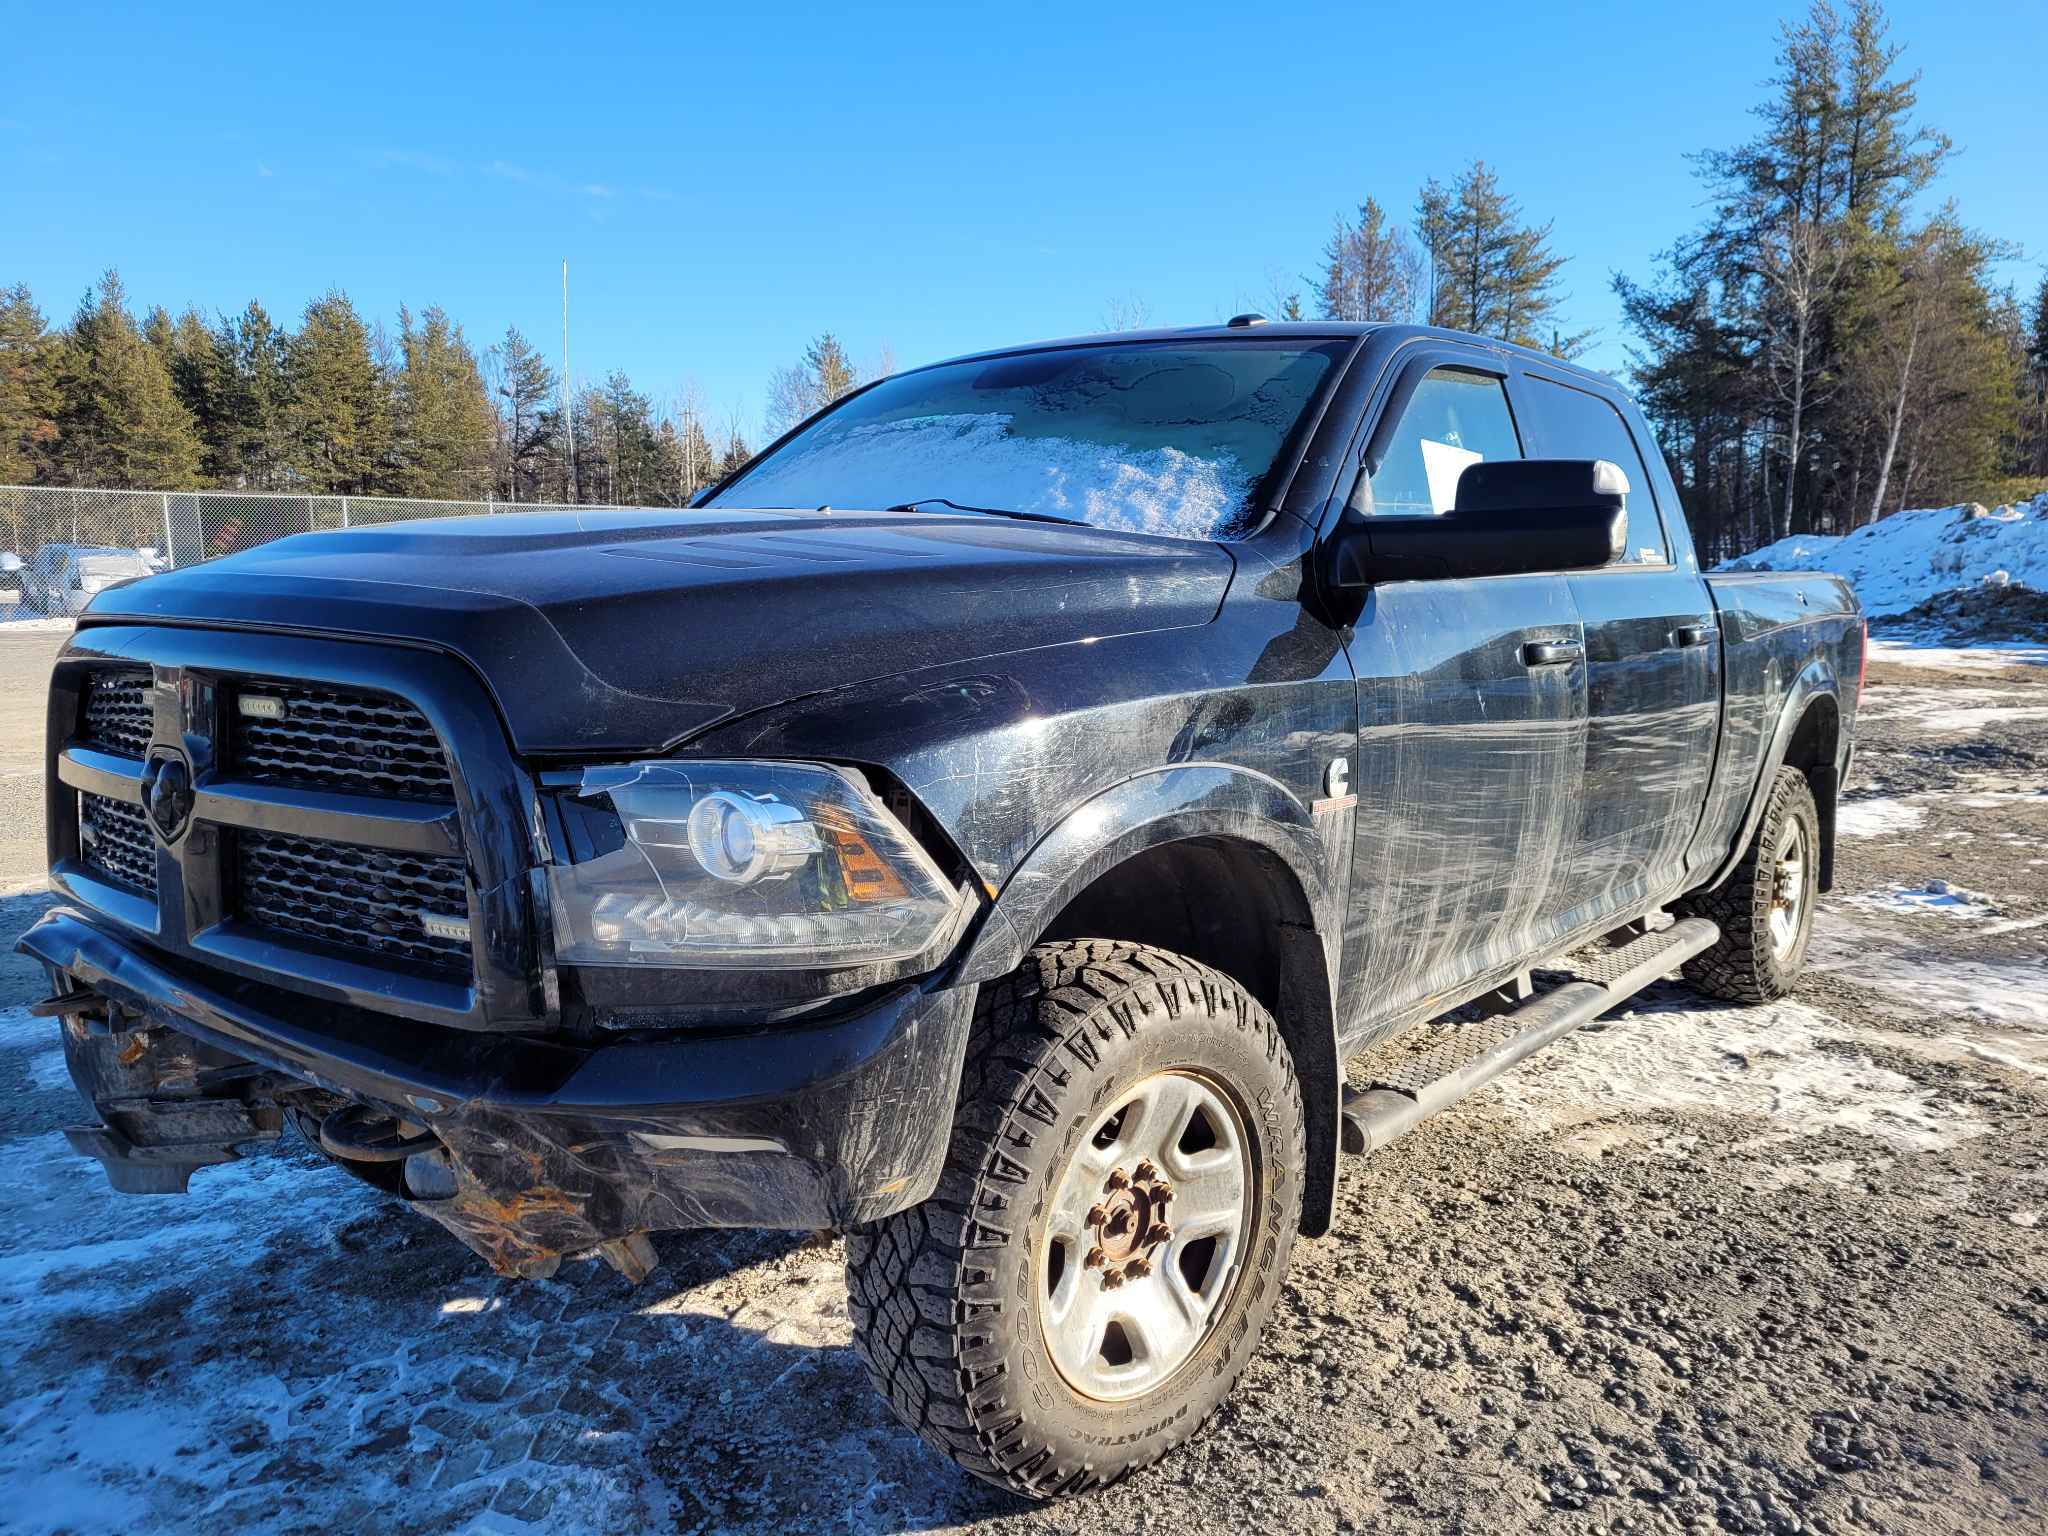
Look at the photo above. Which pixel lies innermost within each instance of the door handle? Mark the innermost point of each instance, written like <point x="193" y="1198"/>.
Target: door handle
<point x="1694" y="634"/>
<point x="1552" y="653"/>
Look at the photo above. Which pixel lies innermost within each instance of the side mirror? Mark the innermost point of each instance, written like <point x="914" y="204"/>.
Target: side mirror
<point x="1514" y="517"/>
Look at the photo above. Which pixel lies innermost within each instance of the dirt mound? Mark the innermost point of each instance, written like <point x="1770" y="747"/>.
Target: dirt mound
<point x="2007" y="611"/>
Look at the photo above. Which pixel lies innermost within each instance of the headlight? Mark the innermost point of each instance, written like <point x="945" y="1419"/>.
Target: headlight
<point x="776" y="866"/>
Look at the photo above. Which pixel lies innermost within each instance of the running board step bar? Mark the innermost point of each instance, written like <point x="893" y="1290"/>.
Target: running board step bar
<point x="1406" y="1090"/>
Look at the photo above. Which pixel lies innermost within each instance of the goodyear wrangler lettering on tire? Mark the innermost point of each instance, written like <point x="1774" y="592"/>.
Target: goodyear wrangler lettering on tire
<point x="1131" y="1121"/>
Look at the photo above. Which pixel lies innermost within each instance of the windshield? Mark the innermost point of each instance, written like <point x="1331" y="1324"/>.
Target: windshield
<point x="1149" y="437"/>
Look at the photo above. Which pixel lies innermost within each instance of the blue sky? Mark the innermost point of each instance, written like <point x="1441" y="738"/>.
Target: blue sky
<point x="727" y="181"/>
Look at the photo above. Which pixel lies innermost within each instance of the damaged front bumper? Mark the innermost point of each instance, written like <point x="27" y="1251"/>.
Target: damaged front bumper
<point x="556" y="1147"/>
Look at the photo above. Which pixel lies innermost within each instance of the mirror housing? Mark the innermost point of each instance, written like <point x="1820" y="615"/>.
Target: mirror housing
<point x="1514" y="517"/>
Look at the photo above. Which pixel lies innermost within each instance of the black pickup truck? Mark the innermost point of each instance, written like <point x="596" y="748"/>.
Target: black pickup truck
<point x="1006" y="822"/>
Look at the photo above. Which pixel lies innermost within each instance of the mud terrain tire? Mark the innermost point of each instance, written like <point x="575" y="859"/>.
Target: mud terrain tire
<point x="1746" y="966"/>
<point x="946" y="1296"/>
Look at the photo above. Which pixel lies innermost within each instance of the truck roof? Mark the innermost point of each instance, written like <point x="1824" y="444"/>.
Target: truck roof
<point x="1305" y="330"/>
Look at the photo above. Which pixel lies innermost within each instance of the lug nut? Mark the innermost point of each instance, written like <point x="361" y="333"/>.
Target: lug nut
<point x="1160" y="1233"/>
<point x="1118" y="1179"/>
<point x="1139" y="1268"/>
<point x="1097" y="1216"/>
<point x="1161" y="1192"/>
<point x="1145" y="1171"/>
<point x="1112" y="1278"/>
<point x="1095" y="1260"/>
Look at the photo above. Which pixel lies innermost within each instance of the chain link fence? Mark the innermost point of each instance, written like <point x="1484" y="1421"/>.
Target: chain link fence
<point x="58" y="544"/>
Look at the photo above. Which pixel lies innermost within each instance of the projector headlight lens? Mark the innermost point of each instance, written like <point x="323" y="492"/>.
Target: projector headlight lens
<point x="733" y="865"/>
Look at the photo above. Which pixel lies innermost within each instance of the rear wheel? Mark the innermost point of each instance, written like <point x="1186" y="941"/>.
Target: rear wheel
<point x="1765" y="909"/>
<point x="1110" y="1232"/>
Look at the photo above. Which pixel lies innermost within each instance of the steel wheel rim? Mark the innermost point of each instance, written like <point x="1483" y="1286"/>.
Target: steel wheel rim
<point x="1122" y="1313"/>
<point x="1788" y="887"/>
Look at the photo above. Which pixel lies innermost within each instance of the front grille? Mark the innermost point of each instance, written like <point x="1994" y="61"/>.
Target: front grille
<point x="117" y="710"/>
<point x="338" y="739"/>
<point x="363" y="899"/>
<point x="114" y="839"/>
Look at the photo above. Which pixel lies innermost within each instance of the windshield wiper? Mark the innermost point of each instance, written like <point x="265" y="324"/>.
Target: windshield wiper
<point x="939" y="501"/>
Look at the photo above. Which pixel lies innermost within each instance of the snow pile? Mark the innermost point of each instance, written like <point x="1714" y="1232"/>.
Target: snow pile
<point x="1901" y="561"/>
<point x="976" y="460"/>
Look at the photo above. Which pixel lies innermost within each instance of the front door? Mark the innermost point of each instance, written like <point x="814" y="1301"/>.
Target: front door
<point x="1653" y="674"/>
<point x="1472" y="722"/>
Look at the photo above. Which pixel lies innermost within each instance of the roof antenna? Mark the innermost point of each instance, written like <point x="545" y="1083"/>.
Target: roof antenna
<point x="1239" y="322"/>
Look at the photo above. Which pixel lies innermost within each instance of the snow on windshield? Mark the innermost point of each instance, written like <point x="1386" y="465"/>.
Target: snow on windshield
<point x="979" y="461"/>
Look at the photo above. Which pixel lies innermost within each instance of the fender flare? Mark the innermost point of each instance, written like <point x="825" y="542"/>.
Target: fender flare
<point x="1815" y="680"/>
<point x="1205" y="800"/>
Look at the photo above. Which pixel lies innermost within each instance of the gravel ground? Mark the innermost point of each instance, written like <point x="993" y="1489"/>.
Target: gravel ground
<point x="1696" y="1268"/>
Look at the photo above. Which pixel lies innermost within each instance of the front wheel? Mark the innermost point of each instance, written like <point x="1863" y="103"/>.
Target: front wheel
<point x="1111" y="1229"/>
<point x="1765" y="909"/>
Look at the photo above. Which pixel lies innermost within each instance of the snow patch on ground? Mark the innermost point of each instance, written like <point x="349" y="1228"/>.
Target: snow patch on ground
<point x="1912" y="983"/>
<point x="1991" y="656"/>
<point x="1898" y="562"/>
<point x="1936" y="896"/>
<point x="1994" y="1055"/>
<point x="285" y="1351"/>
<point x="1951" y="711"/>
<point x="1878" y="818"/>
<point x="42" y="1053"/>
<point x="1781" y="1065"/>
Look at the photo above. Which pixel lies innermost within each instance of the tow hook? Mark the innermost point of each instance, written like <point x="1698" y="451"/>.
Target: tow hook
<point x="359" y="1133"/>
<point x="363" y="1133"/>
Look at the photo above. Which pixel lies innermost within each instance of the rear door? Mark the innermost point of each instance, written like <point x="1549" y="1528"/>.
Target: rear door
<point x="1472" y="715"/>
<point x="1653" y="669"/>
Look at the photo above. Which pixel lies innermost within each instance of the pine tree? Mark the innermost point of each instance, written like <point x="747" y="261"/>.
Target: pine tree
<point x="526" y="395"/>
<point x="28" y="389"/>
<point x="2032" y="452"/>
<point x="445" y="425"/>
<point x="627" y="444"/>
<point x="1433" y="230"/>
<point x="202" y="379"/>
<point x="340" y="410"/>
<point x="830" y="369"/>
<point x="1843" y="327"/>
<point x="120" y="422"/>
<point x="825" y="374"/>
<point x="1885" y="158"/>
<point x="1371" y="269"/>
<point x="735" y="456"/>
<point x="1490" y="273"/>
<point x="254" y="393"/>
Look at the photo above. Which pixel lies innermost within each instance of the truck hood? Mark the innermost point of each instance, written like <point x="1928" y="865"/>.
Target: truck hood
<point x="630" y="631"/>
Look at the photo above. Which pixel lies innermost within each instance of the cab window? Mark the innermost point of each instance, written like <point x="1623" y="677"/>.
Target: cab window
<point x="1578" y="425"/>
<point x="1454" y="418"/>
